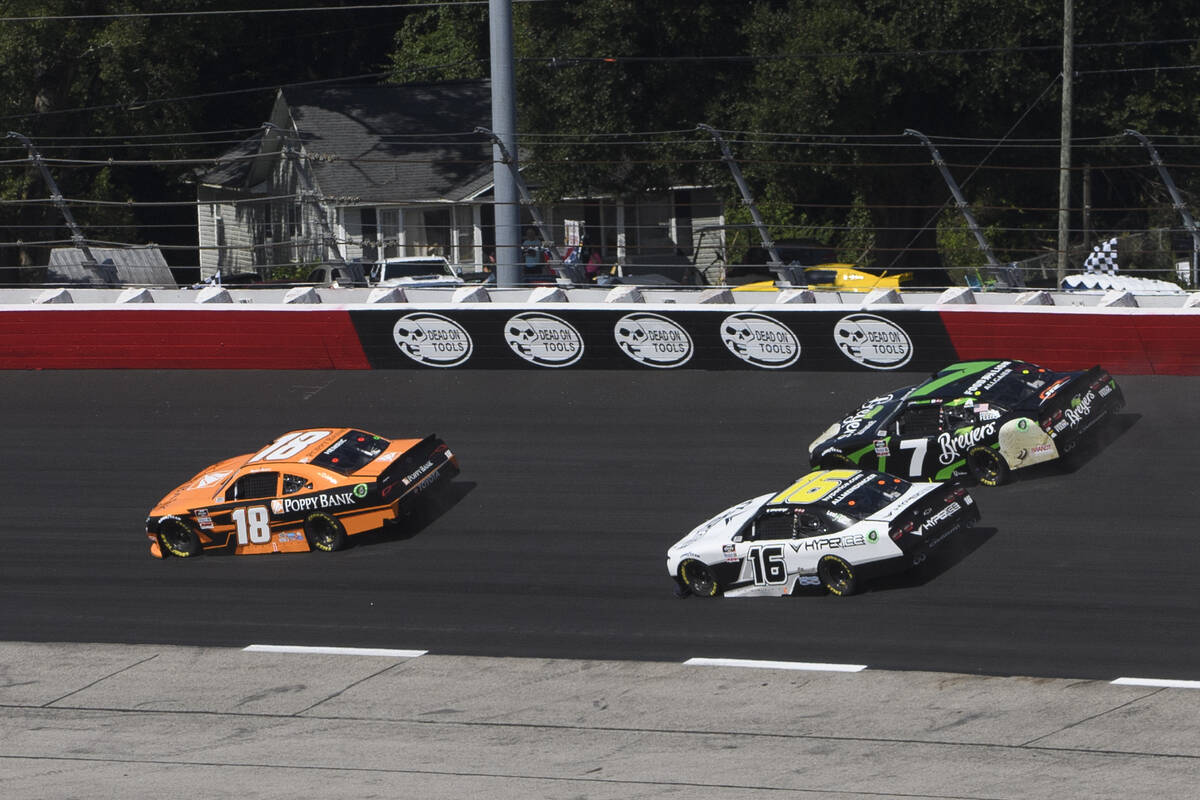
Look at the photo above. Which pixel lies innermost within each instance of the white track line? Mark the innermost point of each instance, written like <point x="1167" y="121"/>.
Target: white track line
<point x="1161" y="682"/>
<point x="754" y="664"/>
<point x="333" y="651"/>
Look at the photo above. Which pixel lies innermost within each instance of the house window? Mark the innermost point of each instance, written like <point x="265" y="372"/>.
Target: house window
<point x="464" y="230"/>
<point x="389" y="232"/>
<point x="437" y="232"/>
<point x="370" y="234"/>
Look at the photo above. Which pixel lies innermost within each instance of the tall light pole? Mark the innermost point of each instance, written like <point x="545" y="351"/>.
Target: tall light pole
<point x="1064" y="144"/>
<point x="504" y="124"/>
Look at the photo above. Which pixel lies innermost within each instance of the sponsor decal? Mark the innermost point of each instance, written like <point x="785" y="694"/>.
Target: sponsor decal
<point x="990" y="378"/>
<point x="932" y="522"/>
<point x="808" y="580"/>
<point x="953" y="445"/>
<point x="1036" y="450"/>
<point x="203" y="519"/>
<point x="425" y="484"/>
<point x="829" y="543"/>
<point x="760" y="340"/>
<point x="653" y="340"/>
<point x="432" y="339"/>
<point x="1080" y="408"/>
<point x="872" y="536"/>
<point x="849" y="487"/>
<point x="421" y="470"/>
<point x="360" y="491"/>
<point x="881" y="448"/>
<point x="872" y="341"/>
<point x="290" y="536"/>
<point x="852" y="423"/>
<point x="543" y="339"/>
<point x="989" y="414"/>
<point x="1106" y="390"/>
<point x="730" y="551"/>
<point x="1053" y="388"/>
<point x="211" y="479"/>
<point x="312" y="502"/>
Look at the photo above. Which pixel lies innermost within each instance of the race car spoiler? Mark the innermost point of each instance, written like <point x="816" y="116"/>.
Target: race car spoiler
<point x="1079" y="404"/>
<point x="419" y="467"/>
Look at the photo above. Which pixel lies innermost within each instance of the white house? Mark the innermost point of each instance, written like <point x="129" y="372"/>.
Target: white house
<point x="370" y="172"/>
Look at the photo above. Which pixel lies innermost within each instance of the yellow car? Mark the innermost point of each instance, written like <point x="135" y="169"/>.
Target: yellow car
<point x="837" y="277"/>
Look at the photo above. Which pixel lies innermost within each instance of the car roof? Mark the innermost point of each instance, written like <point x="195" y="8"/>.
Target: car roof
<point x="820" y="487"/>
<point x="302" y="455"/>
<point x="965" y="378"/>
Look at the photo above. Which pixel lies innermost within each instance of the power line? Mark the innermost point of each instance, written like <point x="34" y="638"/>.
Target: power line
<point x="250" y="11"/>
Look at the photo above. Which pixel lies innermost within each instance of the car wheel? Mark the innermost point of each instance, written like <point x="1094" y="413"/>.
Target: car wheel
<point x="324" y="532"/>
<point x="837" y="576"/>
<point x="699" y="578"/>
<point x="986" y="465"/>
<point x="178" y="539"/>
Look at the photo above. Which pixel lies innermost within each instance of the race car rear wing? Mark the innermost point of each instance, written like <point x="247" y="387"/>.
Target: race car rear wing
<point x="418" y="467"/>
<point x="1079" y="404"/>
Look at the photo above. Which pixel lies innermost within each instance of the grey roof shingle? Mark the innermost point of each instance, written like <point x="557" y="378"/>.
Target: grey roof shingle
<point x="401" y="143"/>
<point x="115" y="266"/>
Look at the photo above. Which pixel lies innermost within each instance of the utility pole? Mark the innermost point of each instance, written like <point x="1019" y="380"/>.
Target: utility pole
<point x="1176" y="198"/>
<point x="56" y="196"/>
<point x="747" y="198"/>
<point x="1064" y="142"/>
<point x="504" y="124"/>
<point x="959" y="200"/>
<point x="573" y="273"/>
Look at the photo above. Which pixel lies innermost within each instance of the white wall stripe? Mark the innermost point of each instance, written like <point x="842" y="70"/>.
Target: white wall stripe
<point x="1162" y="682"/>
<point x="755" y="664"/>
<point x="333" y="651"/>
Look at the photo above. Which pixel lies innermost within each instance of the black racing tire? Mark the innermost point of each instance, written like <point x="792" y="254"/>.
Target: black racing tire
<point x="837" y="576"/>
<point x="986" y="465"/>
<point x="836" y="461"/>
<point x="176" y="538"/>
<point x="324" y="532"/>
<point x="698" y="578"/>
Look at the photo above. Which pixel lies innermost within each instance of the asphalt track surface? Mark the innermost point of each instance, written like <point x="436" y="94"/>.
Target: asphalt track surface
<point x="573" y="486"/>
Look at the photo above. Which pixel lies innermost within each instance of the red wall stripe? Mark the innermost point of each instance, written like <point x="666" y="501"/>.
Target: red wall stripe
<point x="1131" y="343"/>
<point x="140" y="338"/>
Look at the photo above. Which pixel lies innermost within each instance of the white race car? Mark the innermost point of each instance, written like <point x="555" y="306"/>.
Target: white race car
<point x="833" y="528"/>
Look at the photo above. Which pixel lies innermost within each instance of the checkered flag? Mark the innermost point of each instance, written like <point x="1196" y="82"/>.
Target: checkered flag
<point x="1103" y="258"/>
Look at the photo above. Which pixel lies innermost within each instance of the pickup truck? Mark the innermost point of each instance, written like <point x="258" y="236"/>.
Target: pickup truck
<point x="415" y="271"/>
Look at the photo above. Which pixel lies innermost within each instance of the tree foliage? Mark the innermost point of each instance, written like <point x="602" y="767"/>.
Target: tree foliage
<point x="813" y="96"/>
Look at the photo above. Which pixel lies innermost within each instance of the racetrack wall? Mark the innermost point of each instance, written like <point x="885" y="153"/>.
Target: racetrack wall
<point x="572" y="336"/>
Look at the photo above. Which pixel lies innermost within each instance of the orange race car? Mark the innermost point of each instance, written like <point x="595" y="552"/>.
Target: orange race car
<point x="308" y="489"/>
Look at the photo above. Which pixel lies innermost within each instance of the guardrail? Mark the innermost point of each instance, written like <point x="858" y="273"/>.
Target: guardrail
<point x="592" y="327"/>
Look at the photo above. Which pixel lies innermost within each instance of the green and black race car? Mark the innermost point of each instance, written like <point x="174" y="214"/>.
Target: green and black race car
<point x="980" y="419"/>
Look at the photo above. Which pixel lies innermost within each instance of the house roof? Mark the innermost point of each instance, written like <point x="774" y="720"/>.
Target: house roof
<point x="233" y="167"/>
<point x="115" y="266"/>
<point x="400" y="143"/>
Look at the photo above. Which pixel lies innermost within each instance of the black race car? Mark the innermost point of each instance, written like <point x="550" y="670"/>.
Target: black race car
<point x="977" y="418"/>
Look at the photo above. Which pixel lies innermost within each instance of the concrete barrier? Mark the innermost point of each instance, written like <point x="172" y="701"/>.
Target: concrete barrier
<point x="589" y="328"/>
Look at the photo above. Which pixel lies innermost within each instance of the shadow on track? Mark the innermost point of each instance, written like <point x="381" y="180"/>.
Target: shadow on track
<point x="959" y="548"/>
<point x="428" y="512"/>
<point x="1087" y="450"/>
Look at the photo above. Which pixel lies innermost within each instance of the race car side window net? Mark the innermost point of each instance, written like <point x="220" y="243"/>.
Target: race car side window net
<point x="775" y="525"/>
<point x="923" y="420"/>
<point x="254" y="486"/>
